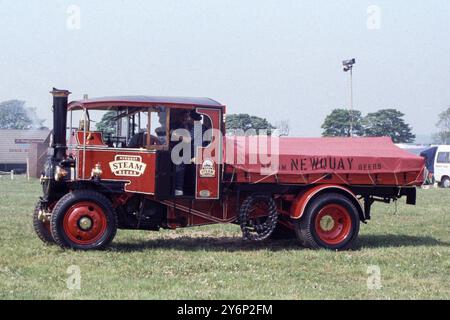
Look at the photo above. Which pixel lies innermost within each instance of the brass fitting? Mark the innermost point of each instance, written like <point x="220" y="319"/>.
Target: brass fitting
<point x="44" y="216"/>
<point x="60" y="173"/>
<point x="97" y="171"/>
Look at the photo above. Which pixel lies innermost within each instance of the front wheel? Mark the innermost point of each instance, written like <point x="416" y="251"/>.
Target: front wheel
<point x="331" y="221"/>
<point x="83" y="220"/>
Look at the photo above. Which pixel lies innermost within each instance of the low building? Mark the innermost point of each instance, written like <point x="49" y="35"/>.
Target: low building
<point x="19" y="145"/>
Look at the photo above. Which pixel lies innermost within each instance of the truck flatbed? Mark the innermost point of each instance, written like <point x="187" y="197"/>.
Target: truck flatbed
<point x="361" y="161"/>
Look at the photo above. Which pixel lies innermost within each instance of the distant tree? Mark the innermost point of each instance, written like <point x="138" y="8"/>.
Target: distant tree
<point x="245" y="122"/>
<point x="388" y="122"/>
<point x="107" y="125"/>
<point x="337" y="123"/>
<point x="443" y="136"/>
<point x="15" y="115"/>
<point x="283" y="128"/>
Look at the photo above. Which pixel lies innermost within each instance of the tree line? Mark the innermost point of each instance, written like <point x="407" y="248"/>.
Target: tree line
<point x="339" y="123"/>
<point x="385" y="122"/>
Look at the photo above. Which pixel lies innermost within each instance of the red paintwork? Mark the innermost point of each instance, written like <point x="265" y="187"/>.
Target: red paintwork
<point x="299" y="204"/>
<point x="348" y="161"/>
<point x="144" y="183"/>
<point x="92" y="138"/>
<point x="85" y="209"/>
<point x="384" y="179"/>
<point x="201" y="212"/>
<point x="209" y="184"/>
<point x="339" y="228"/>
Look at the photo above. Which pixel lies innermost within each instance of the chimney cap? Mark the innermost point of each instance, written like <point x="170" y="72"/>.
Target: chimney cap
<point x="60" y="93"/>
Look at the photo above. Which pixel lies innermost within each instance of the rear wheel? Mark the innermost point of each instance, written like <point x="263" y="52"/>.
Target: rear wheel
<point x="445" y="182"/>
<point x="331" y="221"/>
<point x="42" y="228"/>
<point x="83" y="220"/>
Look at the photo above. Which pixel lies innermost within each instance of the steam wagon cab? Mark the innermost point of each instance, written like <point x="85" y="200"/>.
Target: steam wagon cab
<point x="159" y="162"/>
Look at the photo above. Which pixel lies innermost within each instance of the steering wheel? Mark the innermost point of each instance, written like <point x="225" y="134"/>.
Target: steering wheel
<point x="154" y="141"/>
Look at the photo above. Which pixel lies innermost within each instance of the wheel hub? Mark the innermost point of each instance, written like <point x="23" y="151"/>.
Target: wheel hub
<point x="85" y="223"/>
<point x="327" y="223"/>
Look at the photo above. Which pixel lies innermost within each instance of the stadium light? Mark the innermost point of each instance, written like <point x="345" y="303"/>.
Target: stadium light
<point x="348" y="66"/>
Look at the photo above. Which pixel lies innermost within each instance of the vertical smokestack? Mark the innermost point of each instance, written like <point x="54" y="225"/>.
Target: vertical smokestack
<point x="60" y="102"/>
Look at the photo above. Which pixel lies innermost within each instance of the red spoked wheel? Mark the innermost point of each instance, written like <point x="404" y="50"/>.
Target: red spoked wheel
<point x="85" y="223"/>
<point x="331" y="221"/>
<point x="83" y="220"/>
<point x="333" y="224"/>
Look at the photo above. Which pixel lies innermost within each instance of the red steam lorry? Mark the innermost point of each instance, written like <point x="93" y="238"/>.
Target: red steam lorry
<point x="317" y="190"/>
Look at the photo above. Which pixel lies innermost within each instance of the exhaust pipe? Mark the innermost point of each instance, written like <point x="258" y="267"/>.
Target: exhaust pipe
<point x="60" y="102"/>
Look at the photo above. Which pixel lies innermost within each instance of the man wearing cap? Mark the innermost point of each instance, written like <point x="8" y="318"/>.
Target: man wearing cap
<point x="191" y="121"/>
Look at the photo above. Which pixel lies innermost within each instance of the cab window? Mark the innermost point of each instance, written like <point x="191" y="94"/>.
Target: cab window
<point x="148" y="129"/>
<point x="133" y="127"/>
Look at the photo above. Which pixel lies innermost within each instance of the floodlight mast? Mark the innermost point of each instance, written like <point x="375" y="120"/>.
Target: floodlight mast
<point x="348" y="66"/>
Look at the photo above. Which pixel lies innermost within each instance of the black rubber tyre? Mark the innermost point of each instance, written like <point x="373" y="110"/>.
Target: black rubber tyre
<point x="42" y="230"/>
<point x="281" y="232"/>
<point x="88" y="198"/>
<point x="345" y="223"/>
<point x="445" y="183"/>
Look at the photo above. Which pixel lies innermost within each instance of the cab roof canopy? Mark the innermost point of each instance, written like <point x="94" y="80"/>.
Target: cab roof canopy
<point x="143" y="101"/>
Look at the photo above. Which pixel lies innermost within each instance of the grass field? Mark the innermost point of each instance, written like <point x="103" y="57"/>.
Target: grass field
<point x="411" y="248"/>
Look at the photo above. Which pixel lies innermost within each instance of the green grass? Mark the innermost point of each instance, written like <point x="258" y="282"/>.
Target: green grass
<point x="411" y="247"/>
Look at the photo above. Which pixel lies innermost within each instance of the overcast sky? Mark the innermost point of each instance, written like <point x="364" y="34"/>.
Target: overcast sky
<point x="275" y="59"/>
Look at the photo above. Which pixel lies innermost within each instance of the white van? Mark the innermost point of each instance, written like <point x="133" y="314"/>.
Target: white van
<point x="442" y="166"/>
